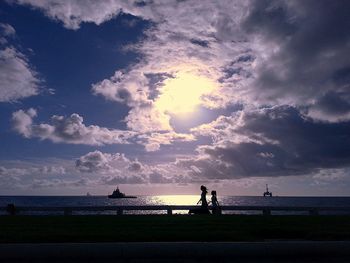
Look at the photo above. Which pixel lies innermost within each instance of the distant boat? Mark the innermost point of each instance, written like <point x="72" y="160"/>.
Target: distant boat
<point x="267" y="193"/>
<point x="117" y="194"/>
<point x="88" y="194"/>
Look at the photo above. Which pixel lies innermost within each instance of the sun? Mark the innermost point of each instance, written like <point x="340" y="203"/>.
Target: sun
<point x="182" y="94"/>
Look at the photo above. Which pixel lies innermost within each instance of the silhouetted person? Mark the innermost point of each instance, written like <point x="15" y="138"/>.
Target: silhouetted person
<point x="203" y="199"/>
<point x="204" y="203"/>
<point x="215" y="204"/>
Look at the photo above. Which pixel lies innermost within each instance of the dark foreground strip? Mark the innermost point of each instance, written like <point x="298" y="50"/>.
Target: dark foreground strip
<point x="94" y="252"/>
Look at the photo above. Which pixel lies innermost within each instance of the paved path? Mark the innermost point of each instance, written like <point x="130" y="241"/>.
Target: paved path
<point x="284" y="251"/>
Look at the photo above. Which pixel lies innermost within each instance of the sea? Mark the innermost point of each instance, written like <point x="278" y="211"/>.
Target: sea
<point x="172" y="200"/>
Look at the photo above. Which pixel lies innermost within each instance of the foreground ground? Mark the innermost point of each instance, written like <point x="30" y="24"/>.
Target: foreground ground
<point x="128" y="228"/>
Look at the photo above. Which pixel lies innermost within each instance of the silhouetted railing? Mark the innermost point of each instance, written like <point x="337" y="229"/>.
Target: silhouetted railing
<point x="119" y="210"/>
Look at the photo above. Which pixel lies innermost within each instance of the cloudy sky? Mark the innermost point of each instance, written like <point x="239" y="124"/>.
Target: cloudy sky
<point x="160" y="97"/>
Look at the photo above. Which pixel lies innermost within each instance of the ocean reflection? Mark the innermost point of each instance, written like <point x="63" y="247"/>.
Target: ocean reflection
<point x="170" y="200"/>
<point x="174" y="199"/>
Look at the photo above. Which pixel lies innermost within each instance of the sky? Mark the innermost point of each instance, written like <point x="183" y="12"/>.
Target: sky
<point x="159" y="97"/>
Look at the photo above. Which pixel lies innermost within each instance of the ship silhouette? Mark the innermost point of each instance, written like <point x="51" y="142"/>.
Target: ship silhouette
<point x="117" y="194"/>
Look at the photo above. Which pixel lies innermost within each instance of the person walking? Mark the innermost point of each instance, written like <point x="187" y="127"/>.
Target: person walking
<point x="215" y="203"/>
<point x="203" y="201"/>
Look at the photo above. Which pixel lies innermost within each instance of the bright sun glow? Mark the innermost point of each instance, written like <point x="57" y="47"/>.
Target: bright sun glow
<point x="182" y="94"/>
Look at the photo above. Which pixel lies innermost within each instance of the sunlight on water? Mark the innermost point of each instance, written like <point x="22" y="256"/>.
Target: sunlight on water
<point x="50" y="201"/>
<point x="174" y="199"/>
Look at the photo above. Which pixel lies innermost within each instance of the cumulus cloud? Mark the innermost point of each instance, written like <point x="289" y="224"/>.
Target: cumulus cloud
<point x="101" y="162"/>
<point x="17" y="78"/>
<point x="277" y="141"/>
<point x="116" y="168"/>
<point x="11" y="171"/>
<point x="148" y="119"/>
<point x="72" y="130"/>
<point x="153" y="140"/>
<point x="135" y="166"/>
<point x="259" y="53"/>
<point x="178" y="44"/>
<point x="67" y="130"/>
<point x="94" y="169"/>
<point x="157" y="178"/>
<point x="300" y="49"/>
<point x="109" y="165"/>
<point x="41" y="170"/>
<point x="120" y="179"/>
<point x="19" y="174"/>
<point x="130" y="89"/>
<point x="72" y="13"/>
<point x="150" y="123"/>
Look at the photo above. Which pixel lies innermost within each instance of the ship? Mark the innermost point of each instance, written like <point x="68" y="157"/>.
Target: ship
<point x="117" y="194"/>
<point x="267" y="193"/>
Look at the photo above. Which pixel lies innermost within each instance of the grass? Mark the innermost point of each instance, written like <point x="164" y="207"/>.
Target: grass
<point x="131" y="228"/>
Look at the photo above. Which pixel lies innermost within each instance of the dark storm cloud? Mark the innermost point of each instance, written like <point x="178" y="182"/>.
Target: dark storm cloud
<point x="270" y="18"/>
<point x="276" y="141"/>
<point x="334" y="103"/>
<point x="305" y="52"/>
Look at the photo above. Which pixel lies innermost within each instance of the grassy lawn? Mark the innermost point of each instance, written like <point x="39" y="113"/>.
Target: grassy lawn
<point x="171" y="228"/>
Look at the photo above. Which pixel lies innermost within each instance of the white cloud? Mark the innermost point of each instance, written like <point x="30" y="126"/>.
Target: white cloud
<point x="102" y="162"/>
<point x="23" y="121"/>
<point x="176" y="46"/>
<point x="130" y="89"/>
<point x="148" y="119"/>
<point x="276" y="141"/>
<point x="67" y="130"/>
<point x="112" y="169"/>
<point x="117" y="168"/>
<point x="258" y="52"/>
<point x="20" y="175"/>
<point x="72" y="13"/>
<point x="17" y="79"/>
<point x="15" y="172"/>
<point x="7" y="30"/>
<point x="153" y="140"/>
<point x="150" y="123"/>
<point x="72" y="130"/>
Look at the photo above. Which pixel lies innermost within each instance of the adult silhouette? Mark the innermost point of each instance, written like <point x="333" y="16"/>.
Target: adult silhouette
<point x="204" y="203"/>
<point x="203" y="200"/>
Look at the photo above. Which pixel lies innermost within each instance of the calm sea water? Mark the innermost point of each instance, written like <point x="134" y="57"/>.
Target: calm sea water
<point x="171" y="200"/>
